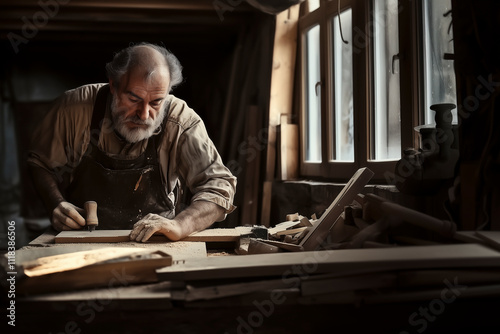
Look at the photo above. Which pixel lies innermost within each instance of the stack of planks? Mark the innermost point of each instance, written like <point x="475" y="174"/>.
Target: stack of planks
<point x="405" y="272"/>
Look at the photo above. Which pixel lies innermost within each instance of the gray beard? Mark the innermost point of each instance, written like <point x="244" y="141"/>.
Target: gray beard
<point x="137" y="134"/>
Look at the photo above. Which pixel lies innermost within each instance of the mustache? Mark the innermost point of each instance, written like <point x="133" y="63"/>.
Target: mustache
<point x="135" y="119"/>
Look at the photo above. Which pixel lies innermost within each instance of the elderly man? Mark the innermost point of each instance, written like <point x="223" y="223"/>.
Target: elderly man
<point x="128" y="145"/>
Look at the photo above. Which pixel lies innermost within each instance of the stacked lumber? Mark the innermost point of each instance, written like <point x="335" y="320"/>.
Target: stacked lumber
<point x="403" y="271"/>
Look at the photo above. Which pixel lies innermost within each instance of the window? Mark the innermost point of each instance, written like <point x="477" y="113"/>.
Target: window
<point x="341" y="114"/>
<point x="369" y="72"/>
<point x="438" y="71"/>
<point x="385" y="134"/>
<point x="313" y="96"/>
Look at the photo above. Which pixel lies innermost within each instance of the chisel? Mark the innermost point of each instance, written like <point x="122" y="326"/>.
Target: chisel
<point x="91" y="212"/>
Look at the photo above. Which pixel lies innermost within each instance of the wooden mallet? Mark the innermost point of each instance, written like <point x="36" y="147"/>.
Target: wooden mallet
<point x="91" y="212"/>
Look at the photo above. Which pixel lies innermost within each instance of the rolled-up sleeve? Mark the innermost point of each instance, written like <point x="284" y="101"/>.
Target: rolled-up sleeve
<point x="203" y="170"/>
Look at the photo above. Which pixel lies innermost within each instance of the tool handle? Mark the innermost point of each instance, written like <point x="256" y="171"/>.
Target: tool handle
<point x="91" y="211"/>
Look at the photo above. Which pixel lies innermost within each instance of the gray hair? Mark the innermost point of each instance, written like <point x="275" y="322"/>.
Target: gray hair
<point x="128" y="57"/>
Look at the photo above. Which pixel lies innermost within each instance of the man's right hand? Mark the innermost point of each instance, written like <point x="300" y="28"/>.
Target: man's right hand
<point x="67" y="216"/>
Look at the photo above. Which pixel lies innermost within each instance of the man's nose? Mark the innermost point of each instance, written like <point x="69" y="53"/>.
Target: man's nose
<point x="143" y="111"/>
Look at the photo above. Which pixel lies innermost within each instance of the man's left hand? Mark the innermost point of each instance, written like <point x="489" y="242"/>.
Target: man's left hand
<point x="153" y="223"/>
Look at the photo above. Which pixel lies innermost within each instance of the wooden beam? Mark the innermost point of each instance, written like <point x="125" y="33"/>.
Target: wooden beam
<point x="148" y="4"/>
<point x="282" y="77"/>
<point x="328" y="261"/>
<point x="112" y="236"/>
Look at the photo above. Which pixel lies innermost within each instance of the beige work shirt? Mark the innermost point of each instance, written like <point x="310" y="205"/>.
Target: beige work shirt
<point x="186" y="152"/>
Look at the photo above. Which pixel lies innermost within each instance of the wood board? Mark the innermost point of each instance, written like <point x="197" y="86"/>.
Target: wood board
<point x="288" y="151"/>
<point x="111" y="236"/>
<point x="359" y="260"/>
<point x="109" y="267"/>
<point x="311" y="287"/>
<point x="281" y="95"/>
<point x="178" y="250"/>
<point x="71" y="261"/>
<point x="97" y="236"/>
<point x="220" y="290"/>
<point x="322" y="227"/>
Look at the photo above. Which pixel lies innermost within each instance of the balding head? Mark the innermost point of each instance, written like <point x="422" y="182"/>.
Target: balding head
<point x="147" y="58"/>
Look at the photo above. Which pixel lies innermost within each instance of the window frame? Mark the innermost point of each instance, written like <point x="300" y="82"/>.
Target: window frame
<point x="411" y="87"/>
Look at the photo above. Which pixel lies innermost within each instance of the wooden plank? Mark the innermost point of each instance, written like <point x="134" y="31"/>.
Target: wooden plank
<point x="284" y="245"/>
<point x="360" y="260"/>
<point x="282" y="226"/>
<point x="292" y="231"/>
<point x="97" y="236"/>
<point x="316" y="286"/>
<point x="111" y="236"/>
<point x="71" y="261"/>
<point x="197" y="292"/>
<point x="468" y="237"/>
<point x="144" y="295"/>
<point x="288" y="144"/>
<point x="322" y="227"/>
<point x="281" y="95"/>
<point x="267" y="189"/>
<point x="219" y="234"/>
<point x="256" y="246"/>
<point x="105" y="274"/>
<point x="179" y="250"/>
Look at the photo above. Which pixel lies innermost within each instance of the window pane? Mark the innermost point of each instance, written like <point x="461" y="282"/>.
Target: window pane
<point x="439" y="72"/>
<point x="385" y="126"/>
<point x="342" y="135"/>
<point x="313" y="5"/>
<point x="313" y="96"/>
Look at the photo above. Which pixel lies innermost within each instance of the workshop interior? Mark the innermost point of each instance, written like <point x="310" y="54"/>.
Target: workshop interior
<point x="362" y="136"/>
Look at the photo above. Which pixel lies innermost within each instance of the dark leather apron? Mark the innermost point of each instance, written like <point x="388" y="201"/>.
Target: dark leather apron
<point x="125" y="190"/>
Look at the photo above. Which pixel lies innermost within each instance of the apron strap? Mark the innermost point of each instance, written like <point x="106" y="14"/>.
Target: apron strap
<point x="99" y="108"/>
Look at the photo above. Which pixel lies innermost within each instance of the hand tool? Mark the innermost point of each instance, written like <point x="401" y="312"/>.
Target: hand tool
<point x="91" y="212"/>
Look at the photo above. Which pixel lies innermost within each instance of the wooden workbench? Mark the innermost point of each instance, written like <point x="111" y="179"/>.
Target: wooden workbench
<point x="333" y="295"/>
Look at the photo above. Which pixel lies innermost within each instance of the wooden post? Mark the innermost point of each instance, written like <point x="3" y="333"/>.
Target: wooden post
<point x="285" y="48"/>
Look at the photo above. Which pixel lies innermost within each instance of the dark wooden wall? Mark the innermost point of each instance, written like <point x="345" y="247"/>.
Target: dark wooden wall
<point x="226" y="54"/>
<point x="476" y="31"/>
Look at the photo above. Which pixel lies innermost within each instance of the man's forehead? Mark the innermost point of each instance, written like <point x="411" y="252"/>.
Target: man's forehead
<point x="156" y="79"/>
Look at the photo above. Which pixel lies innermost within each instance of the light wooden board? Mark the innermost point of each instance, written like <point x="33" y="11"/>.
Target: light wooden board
<point x="322" y="227"/>
<point x="178" y="250"/>
<point x="102" y="274"/>
<point x="97" y="236"/>
<point x="288" y="145"/>
<point x="283" y="226"/>
<point x="110" y="236"/>
<point x="71" y="261"/>
<point x="219" y="234"/>
<point x="361" y="260"/>
<point x="281" y="94"/>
